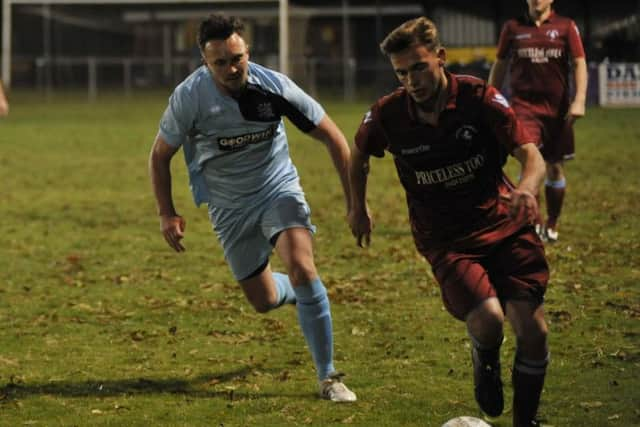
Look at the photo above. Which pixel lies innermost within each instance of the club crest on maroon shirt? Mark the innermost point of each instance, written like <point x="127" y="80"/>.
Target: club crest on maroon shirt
<point x="553" y="34"/>
<point x="466" y="133"/>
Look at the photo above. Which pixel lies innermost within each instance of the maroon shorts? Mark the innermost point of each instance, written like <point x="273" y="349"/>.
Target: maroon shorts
<point x="554" y="134"/>
<point x="512" y="269"/>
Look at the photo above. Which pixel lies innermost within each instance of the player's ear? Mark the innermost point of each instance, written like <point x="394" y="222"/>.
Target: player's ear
<point x="442" y="56"/>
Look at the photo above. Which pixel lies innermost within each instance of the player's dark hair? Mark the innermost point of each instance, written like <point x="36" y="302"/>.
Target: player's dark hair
<point x="416" y="31"/>
<point x="218" y="27"/>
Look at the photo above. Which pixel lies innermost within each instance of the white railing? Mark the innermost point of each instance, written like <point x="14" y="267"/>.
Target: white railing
<point x="313" y="74"/>
<point x="172" y="70"/>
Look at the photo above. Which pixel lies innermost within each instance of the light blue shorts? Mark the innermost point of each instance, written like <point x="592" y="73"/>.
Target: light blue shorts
<point x="245" y="234"/>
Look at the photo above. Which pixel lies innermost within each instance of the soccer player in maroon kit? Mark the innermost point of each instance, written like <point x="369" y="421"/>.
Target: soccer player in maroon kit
<point x="543" y="50"/>
<point x="449" y="136"/>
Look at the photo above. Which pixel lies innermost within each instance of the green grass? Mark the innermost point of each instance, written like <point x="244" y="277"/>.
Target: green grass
<point x="103" y="325"/>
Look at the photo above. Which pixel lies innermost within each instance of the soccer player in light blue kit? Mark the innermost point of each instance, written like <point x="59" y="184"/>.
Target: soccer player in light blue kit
<point x="227" y="117"/>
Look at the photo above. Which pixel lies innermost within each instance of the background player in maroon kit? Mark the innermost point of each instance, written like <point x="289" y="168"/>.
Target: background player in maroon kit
<point x="544" y="49"/>
<point x="449" y="136"/>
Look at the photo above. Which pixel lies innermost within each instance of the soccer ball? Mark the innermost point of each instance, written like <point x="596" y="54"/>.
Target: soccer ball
<point x="465" y="422"/>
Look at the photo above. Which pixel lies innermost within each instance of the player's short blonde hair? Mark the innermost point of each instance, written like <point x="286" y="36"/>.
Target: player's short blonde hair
<point x="416" y="31"/>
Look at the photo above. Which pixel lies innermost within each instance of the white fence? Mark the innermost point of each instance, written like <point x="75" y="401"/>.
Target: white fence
<point x="108" y="73"/>
<point x="174" y="70"/>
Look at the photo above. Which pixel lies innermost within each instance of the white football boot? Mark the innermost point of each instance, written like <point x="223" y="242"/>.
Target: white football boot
<point x="332" y="388"/>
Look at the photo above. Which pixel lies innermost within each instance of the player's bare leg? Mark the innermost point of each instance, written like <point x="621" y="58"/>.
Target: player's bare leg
<point x="266" y="290"/>
<point x="531" y="360"/>
<point x="485" y="327"/>
<point x="555" y="186"/>
<point x="294" y="246"/>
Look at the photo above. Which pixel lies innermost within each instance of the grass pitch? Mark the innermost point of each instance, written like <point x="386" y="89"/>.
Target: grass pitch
<point x="103" y="325"/>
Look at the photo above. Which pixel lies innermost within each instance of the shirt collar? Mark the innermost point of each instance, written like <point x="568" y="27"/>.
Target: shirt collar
<point x="452" y="94"/>
<point x="550" y="18"/>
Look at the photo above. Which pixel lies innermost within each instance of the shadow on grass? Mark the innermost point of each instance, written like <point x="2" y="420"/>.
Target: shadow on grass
<point x="204" y="386"/>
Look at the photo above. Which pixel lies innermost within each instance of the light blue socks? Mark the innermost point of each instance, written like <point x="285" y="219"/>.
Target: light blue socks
<point x="314" y="315"/>
<point x="285" y="292"/>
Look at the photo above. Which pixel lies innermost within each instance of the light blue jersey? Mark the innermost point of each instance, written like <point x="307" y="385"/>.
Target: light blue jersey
<point x="236" y="150"/>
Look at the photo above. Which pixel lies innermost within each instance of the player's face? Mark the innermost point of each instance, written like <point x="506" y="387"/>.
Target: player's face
<point x="228" y="61"/>
<point x="420" y="71"/>
<point x="539" y="7"/>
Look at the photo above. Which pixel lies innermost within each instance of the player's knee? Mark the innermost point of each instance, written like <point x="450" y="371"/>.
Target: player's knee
<point x="485" y="322"/>
<point x="554" y="171"/>
<point x="534" y="335"/>
<point x="489" y="314"/>
<point x="302" y="273"/>
<point x="263" y="305"/>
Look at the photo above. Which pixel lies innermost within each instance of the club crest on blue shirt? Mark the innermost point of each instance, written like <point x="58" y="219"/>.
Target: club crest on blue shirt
<point x="265" y="110"/>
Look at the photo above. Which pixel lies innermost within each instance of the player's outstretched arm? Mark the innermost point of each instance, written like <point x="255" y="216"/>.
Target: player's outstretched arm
<point x="172" y="225"/>
<point x="330" y="134"/>
<point x="359" y="217"/>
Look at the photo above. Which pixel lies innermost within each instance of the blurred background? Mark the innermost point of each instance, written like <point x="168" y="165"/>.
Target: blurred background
<point x="331" y="47"/>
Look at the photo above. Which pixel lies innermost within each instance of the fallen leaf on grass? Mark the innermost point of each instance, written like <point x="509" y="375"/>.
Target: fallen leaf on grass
<point x="357" y="332"/>
<point x="230" y="337"/>
<point x="560" y="315"/>
<point x="273" y="325"/>
<point x="8" y="361"/>
<point x="284" y="375"/>
<point x="213" y="381"/>
<point x="85" y="307"/>
<point x="591" y="405"/>
<point x="349" y="420"/>
<point x="619" y="354"/>
<point x="137" y="335"/>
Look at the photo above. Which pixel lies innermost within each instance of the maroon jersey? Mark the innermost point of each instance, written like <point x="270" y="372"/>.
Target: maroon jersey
<point x="452" y="173"/>
<point x="540" y="61"/>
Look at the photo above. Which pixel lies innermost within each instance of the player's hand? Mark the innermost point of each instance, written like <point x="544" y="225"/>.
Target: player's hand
<point x="361" y="225"/>
<point x="522" y="204"/>
<point x="576" y="111"/>
<point x="172" y="227"/>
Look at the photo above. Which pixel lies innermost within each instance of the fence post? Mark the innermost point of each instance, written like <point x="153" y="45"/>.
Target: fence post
<point x="93" y="84"/>
<point x="126" y="70"/>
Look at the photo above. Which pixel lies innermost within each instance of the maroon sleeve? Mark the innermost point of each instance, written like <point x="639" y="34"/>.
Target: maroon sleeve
<point x="575" y="42"/>
<point x="504" y="43"/>
<point x="370" y="138"/>
<point x="508" y="130"/>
